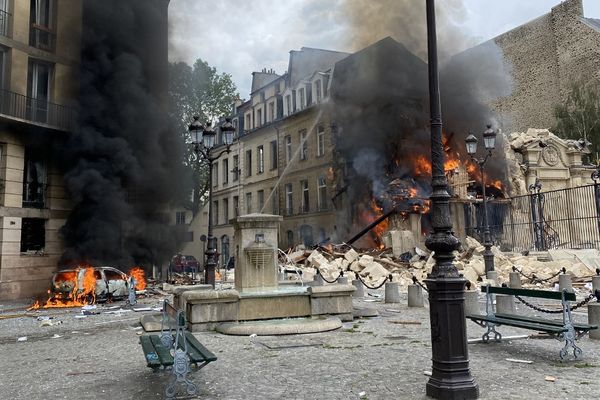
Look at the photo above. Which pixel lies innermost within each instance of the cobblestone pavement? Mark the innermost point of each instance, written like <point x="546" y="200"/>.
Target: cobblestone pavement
<point x="99" y="357"/>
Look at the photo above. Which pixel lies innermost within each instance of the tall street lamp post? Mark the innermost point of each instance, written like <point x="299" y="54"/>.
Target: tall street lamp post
<point x="204" y="139"/>
<point x="450" y="376"/>
<point x="489" y="141"/>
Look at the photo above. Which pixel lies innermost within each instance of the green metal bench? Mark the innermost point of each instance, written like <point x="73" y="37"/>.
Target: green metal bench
<point x="564" y="330"/>
<point x="175" y="348"/>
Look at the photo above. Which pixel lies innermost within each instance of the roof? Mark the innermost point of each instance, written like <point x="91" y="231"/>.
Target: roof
<point x="306" y="61"/>
<point x="592" y="23"/>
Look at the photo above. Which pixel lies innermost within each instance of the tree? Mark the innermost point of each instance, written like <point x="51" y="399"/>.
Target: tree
<point x="201" y="91"/>
<point x="579" y="116"/>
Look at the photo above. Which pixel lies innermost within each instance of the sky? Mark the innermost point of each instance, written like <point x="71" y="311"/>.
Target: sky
<point x="240" y="36"/>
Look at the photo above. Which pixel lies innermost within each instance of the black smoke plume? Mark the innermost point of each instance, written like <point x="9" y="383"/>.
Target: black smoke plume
<point x="123" y="161"/>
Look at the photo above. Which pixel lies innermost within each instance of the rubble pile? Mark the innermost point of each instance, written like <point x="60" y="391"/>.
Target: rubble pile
<point x="374" y="266"/>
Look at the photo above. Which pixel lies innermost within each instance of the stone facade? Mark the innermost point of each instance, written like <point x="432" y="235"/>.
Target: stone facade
<point x="44" y="67"/>
<point x="547" y="55"/>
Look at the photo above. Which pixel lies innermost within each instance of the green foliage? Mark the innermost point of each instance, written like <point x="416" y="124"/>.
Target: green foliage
<point x="578" y="117"/>
<point x="201" y="91"/>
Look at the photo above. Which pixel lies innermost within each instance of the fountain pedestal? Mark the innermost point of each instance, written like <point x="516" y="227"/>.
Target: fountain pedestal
<point x="257" y="295"/>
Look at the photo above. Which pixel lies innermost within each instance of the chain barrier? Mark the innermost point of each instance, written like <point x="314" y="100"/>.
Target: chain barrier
<point x="534" y="279"/>
<point x="389" y="277"/>
<point x="341" y="274"/>
<point x="545" y="310"/>
<point x="416" y="282"/>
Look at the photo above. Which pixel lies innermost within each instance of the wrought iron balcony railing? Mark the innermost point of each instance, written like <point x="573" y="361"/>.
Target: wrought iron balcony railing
<point x="34" y="195"/>
<point x="5" y="23"/>
<point x="42" y="37"/>
<point x="35" y="110"/>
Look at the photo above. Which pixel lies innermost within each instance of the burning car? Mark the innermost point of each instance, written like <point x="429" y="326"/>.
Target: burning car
<point x="109" y="282"/>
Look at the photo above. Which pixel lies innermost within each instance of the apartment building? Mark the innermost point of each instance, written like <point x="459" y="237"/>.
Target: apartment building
<point x="39" y="67"/>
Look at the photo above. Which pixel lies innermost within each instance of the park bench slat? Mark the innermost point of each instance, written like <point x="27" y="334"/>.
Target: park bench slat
<point x="150" y="353"/>
<point x="166" y="359"/>
<point x="206" y="354"/>
<point x="520" y="324"/>
<point x="580" y="327"/>
<point x="541" y="294"/>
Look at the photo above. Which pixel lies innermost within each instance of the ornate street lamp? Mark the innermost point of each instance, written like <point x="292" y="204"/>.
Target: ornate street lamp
<point x="204" y="139"/>
<point x="489" y="141"/>
<point x="450" y="374"/>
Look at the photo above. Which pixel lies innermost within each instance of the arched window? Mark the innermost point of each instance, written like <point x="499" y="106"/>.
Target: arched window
<point x="224" y="250"/>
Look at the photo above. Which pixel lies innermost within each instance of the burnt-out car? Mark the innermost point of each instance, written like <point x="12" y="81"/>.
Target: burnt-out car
<point x="109" y="282"/>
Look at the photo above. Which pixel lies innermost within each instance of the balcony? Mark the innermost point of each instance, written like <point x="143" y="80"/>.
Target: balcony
<point x="42" y="38"/>
<point x="38" y="111"/>
<point x="5" y="23"/>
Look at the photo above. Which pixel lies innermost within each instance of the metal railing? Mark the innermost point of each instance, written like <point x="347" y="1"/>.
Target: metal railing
<point x="5" y="19"/>
<point x="36" y="110"/>
<point x="42" y="38"/>
<point x="565" y="218"/>
<point x="34" y="195"/>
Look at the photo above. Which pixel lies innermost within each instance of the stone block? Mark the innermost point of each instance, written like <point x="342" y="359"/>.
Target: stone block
<point x="269" y="306"/>
<point x="351" y="255"/>
<point x="331" y="299"/>
<point x="204" y="306"/>
<point x="365" y="261"/>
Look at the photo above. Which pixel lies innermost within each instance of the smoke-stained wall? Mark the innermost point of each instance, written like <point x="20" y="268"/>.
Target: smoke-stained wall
<point x="123" y="161"/>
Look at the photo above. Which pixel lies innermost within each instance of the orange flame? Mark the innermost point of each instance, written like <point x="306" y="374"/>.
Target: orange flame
<point x="140" y="278"/>
<point x="77" y="294"/>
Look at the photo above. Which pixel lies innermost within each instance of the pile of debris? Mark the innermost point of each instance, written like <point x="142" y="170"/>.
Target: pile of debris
<point x="375" y="266"/>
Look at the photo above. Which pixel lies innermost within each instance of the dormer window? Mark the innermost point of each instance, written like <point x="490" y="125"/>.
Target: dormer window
<point x="318" y="90"/>
<point x="301" y="94"/>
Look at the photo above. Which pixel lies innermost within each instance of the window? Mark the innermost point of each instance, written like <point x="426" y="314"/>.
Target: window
<point x="274" y="201"/>
<point x="248" y="162"/>
<point x="290" y="238"/>
<point x="301" y="94"/>
<point x="318" y="90"/>
<point x="4" y="18"/>
<point x="322" y="193"/>
<point x="236" y="168"/>
<point x="289" y="203"/>
<point x="39" y="77"/>
<point x="4" y="64"/>
<point x="215" y="212"/>
<point x="225" y="211"/>
<point x="288" y="149"/>
<point x="303" y="145"/>
<point x="305" y="196"/>
<point x="306" y="235"/>
<point x="248" y="203"/>
<point x="33" y="234"/>
<point x="320" y="141"/>
<point x="34" y="180"/>
<point x="225" y="170"/>
<point x="215" y="170"/>
<point x="261" y="200"/>
<point x="273" y="145"/>
<point x="248" y="121"/>
<point x="224" y="250"/>
<point x="236" y="206"/>
<point x="288" y="104"/>
<point x="261" y="159"/>
<point x="258" y="118"/>
<point x="272" y="111"/>
<point x="180" y="218"/>
<point x="41" y="34"/>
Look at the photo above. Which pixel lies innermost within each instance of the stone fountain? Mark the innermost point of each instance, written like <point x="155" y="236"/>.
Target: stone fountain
<point x="259" y="296"/>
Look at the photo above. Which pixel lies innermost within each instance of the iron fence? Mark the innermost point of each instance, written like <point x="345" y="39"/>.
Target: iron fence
<point x="565" y="218"/>
<point x="36" y="110"/>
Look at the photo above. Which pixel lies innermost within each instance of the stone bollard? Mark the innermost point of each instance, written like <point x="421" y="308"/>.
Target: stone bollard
<point x="342" y="280"/>
<point x="360" y="289"/>
<point x="596" y="283"/>
<point x="472" y="302"/>
<point x="514" y="280"/>
<point x="318" y="280"/>
<point x="505" y="304"/>
<point x="392" y="292"/>
<point x="594" y="316"/>
<point x="493" y="276"/>
<point x="415" y="296"/>
<point x="564" y="282"/>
